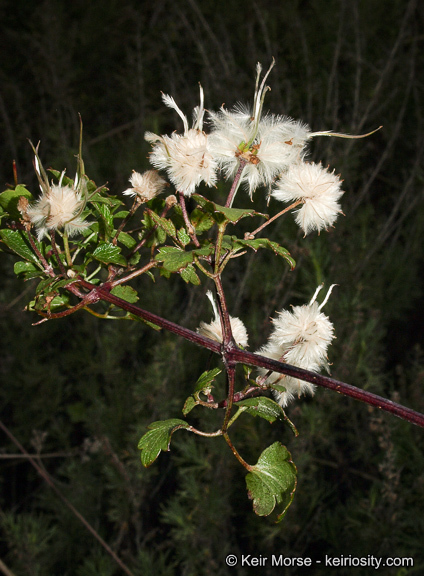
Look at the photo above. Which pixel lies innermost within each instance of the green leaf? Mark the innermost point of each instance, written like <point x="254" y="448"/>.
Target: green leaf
<point x="174" y="259"/>
<point x="189" y="404"/>
<point x="202" y="221"/>
<point x="9" y="200"/>
<point x="204" y="381"/>
<point x="229" y="214"/>
<point x="263" y="407"/>
<point x="44" y="303"/>
<point x="164" y="223"/>
<point x="205" y="250"/>
<point x="66" y="181"/>
<point x="257" y="243"/>
<point x="189" y="275"/>
<point x="109" y="254"/>
<point x="127" y="240"/>
<point x="272" y="481"/>
<point x="158" y="438"/>
<point x="126" y="293"/>
<point x="121" y="214"/>
<point x="183" y="237"/>
<point x="106" y="221"/>
<point x="278" y="387"/>
<point x="44" y="284"/>
<point x="27" y="270"/>
<point x="17" y="242"/>
<point x="233" y="243"/>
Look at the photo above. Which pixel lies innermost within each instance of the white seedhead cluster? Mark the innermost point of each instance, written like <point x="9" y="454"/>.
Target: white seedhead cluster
<point x="254" y="149"/>
<point x="301" y="338"/>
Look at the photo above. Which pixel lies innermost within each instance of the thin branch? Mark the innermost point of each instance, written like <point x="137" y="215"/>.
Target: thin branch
<point x="5" y="569"/>
<point x="236" y="183"/>
<point x="251" y="235"/>
<point x="233" y="354"/>
<point x="332" y="384"/>
<point x="189" y="225"/>
<point x="48" y="479"/>
<point x="134" y="274"/>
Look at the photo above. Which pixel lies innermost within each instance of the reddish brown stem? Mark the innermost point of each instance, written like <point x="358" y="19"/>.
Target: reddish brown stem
<point x="189" y="225"/>
<point x="232" y="354"/>
<point x="235" y="185"/>
<point x="56" y="253"/>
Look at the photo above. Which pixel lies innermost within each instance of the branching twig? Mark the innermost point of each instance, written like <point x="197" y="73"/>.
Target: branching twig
<point x="233" y="354"/>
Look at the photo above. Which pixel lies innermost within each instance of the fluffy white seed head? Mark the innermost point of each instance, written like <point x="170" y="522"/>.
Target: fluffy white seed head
<point x="185" y="157"/>
<point x="213" y="330"/>
<point x="301" y="338"/>
<point x="59" y="207"/>
<point x="319" y="191"/>
<point x="145" y="186"/>
<point x="268" y="145"/>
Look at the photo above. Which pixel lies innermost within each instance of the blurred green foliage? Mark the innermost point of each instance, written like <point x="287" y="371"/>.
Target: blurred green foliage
<point x="83" y="391"/>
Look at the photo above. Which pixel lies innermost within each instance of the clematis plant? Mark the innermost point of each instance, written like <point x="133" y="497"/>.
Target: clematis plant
<point x="86" y="248"/>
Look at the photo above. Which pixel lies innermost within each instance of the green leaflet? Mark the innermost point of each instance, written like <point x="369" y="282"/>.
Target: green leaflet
<point x="203" y="385"/>
<point x="127" y="240"/>
<point x="189" y="404"/>
<point x="109" y="254"/>
<point x="189" y="275"/>
<point x="9" y="200"/>
<point x="174" y="259"/>
<point x="106" y="220"/>
<point x="256" y="243"/>
<point x="166" y="224"/>
<point x="27" y="270"/>
<point x="16" y="241"/>
<point x="158" y="438"/>
<point x="272" y="481"/>
<point x="229" y="214"/>
<point x="205" y="379"/>
<point x="126" y="293"/>
<point x="202" y="221"/>
<point x="183" y="237"/>
<point x="263" y="407"/>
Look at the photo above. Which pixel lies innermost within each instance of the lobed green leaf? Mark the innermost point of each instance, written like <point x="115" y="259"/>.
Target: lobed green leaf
<point x="256" y="243"/>
<point x="158" y="438"/>
<point x="272" y="481"/>
<point x="164" y="223"/>
<point x="188" y="274"/>
<point x="109" y="254"/>
<point x="183" y="237"/>
<point x="174" y="259"/>
<point x="202" y="221"/>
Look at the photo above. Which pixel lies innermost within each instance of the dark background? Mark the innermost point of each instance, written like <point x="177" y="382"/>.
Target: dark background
<point x="83" y="391"/>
